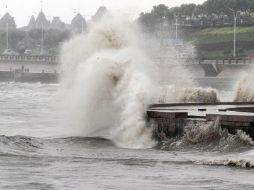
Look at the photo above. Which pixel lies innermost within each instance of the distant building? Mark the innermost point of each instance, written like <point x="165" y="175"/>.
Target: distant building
<point x="101" y="12"/>
<point x="57" y="24"/>
<point x="78" y="24"/>
<point x="32" y="23"/>
<point x="7" y="19"/>
<point x="41" y="21"/>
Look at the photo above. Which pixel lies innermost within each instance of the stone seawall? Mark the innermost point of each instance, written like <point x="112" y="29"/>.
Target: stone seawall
<point x="170" y="120"/>
<point x="42" y="69"/>
<point x="48" y="59"/>
<point x="17" y="76"/>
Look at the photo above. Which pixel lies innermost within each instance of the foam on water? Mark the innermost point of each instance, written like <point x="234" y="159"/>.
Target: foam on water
<point x="228" y="162"/>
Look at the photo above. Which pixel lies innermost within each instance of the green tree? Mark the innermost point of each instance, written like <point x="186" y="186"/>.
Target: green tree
<point x="154" y="20"/>
<point x="187" y="10"/>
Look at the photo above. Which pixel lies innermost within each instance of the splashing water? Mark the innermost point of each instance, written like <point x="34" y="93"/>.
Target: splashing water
<point x="188" y="95"/>
<point x="209" y="136"/>
<point x="107" y="84"/>
<point x="244" y="91"/>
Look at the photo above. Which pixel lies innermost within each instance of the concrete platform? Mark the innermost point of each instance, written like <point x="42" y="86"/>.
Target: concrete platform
<point x="171" y="118"/>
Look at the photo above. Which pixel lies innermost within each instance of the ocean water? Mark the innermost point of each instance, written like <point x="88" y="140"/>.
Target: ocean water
<point x="36" y="152"/>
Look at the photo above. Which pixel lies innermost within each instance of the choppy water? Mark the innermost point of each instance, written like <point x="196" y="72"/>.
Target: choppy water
<point x="35" y="153"/>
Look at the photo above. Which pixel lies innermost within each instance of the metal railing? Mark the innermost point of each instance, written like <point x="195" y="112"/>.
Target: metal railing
<point x="192" y="61"/>
<point x="29" y="58"/>
<point x="227" y="61"/>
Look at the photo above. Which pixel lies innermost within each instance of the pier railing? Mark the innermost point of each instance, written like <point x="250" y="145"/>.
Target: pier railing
<point x="29" y="58"/>
<point x="51" y="59"/>
<point x="191" y="61"/>
<point x="226" y="61"/>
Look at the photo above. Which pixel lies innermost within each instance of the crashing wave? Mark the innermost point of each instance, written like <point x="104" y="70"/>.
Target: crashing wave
<point x="208" y="136"/>
<point x="244" y="91"/>
<point x="188" y="95"/>
<point x="107" y="84"/>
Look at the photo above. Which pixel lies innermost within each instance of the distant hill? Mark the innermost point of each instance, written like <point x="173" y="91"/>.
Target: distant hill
<point x="209" y="26"/>
<point x="217" y="42"/>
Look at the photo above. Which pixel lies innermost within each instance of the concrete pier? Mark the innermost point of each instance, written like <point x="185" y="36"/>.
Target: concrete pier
<point x="170" y="119"/>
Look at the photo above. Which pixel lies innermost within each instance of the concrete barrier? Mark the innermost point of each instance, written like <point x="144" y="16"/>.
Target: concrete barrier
<point x="19" y="76"/>
<point x="169" y="119"/>
<point x="49" y="59"/>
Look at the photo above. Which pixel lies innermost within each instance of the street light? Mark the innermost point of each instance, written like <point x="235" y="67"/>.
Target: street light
<point x="176" y="27"/>
<point x="7" y="35"/>
<point x="162" y="24"/>
<point x="7" y="30"/>
<point x="42" y="37"/>
<point x="235" y="19"/>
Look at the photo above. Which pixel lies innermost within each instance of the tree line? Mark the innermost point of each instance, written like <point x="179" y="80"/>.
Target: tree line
<point x="210" y="13"/>
<point x="20" y="40"/>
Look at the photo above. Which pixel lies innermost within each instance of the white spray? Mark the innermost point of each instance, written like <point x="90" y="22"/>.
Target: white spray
<point x="107" y="85"/>
<point x="170" y="94"/>
<point x="244" y="91"/>
<point x="108" y="82"/>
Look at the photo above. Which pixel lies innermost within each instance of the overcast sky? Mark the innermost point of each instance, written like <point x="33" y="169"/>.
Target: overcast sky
<point x="23" y="9"/>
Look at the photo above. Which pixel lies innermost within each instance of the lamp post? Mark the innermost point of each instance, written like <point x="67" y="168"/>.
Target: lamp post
<point x="42" y="37"/>
<point x="84" y="20"/>
<point x="41" y="5"/>
<point x="82" y="26"/>
<point x="234" y="34"/>
<point x="7" y="35"/>
<point x="162" y="24"/>
<point x="176" y="25"/>
<point x="235" y="19"/>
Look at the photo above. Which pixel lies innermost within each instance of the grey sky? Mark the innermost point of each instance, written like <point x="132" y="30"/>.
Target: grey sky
<point x="23" y="9"/>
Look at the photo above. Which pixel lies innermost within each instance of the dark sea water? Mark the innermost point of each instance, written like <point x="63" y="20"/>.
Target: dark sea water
<point x="35" y="153"/>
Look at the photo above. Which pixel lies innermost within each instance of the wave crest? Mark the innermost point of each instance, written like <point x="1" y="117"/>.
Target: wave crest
<point x="209" y="136"/>
<point x="244" y="90"/>
<point x="188" y="95"/>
